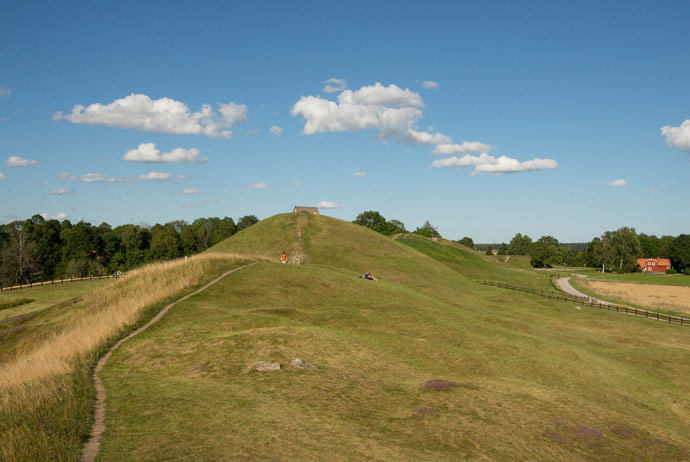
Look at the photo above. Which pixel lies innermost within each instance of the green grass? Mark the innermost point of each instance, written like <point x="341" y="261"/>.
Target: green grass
<point x="16" y="302"/>
<point x="46" y="296"/>
<point x="638" y="278"/>
<point x="474" y="265"/>
<point x="549" y="382"/>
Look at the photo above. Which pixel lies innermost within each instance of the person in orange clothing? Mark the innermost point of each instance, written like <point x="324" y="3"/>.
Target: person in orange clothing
<point x="283" y="258"/>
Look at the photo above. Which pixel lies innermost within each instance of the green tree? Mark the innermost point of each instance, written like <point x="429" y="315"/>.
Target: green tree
<point x="680" y="253"/>
<point x="467" y="242"/>
<point x="371" y="219"/>
<point x="427" y="230"/>
<point x="226" y="229"/>
<point x="489" y="250"/>
<point x="626" y="249"/>
<point x="650" y="245"/>
<point x="503" y="249"/>
<point x="399" y="225"/>
<point x="18" y="257"/>
<point x="165" y="243"/>
<point x="519" y="244"/>
<point x="246" y="221"/>
<point x="545" y="252"/>
<point x="665" y="245"/>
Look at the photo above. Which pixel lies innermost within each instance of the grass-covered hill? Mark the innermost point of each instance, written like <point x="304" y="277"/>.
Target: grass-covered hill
<point x="426" y="364"/>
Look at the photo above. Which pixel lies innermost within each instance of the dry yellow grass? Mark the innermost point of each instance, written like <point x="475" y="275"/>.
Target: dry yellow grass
<point x="98" y="317"/>
<point x="675" y="298"/>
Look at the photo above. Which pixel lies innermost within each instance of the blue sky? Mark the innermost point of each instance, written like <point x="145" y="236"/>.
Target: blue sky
<point x="486" y="118"/>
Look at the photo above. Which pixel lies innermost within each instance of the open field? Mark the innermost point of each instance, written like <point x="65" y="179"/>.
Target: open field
<point x="424" y="365"/>
<point x="638" y="278"/>
<point x="660" y="297"/>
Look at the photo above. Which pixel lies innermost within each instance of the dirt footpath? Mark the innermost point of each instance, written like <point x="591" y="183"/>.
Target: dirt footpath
<point x="676" y="298"/>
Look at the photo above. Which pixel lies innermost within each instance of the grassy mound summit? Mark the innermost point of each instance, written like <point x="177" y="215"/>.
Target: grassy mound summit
<point x="424" y="365"/>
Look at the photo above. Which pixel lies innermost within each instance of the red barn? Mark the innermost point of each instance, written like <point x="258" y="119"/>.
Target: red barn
<point x="654" y="265"/>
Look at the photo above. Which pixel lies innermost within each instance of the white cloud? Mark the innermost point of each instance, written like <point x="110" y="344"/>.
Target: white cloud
<point x="253" y="131"/>
<point x="390" y="110"/>
<point x="3" y="176"/>
<point x="147" y="152"/>
<point x="467" y="147"/>
<point x="163" y="115"/>
<point x="4" y="92"/>
<point x="257" y="186"/>
<point x="333" y="85"/>
<point x="327" y="205"/>
<point x="58" y="192"/>
<point x="233" y="114"/>
<point x="188" y="192"/>
<point x="620" y="182"/>
<point x="102" y="178"/>
<point x="89" y="178"/>
<point x="359" y="174"/>
<point x="59" y="216"/>
<point x="16" y="161"/>
<point x="430" y="85"/>
<point x="158" y="176"/>
<point x="276" y="130"/>
<point x="678" y="137"/>
<point x="296" y="183"/>
<point x="195" y="205"/>
<point x="485" y="163"/>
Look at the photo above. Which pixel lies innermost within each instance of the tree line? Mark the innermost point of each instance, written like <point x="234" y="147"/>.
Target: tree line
<point x="612" y="251"/>
<point x="39" y="250"/>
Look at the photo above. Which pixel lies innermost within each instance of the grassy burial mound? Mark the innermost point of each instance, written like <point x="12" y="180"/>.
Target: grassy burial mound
<point x="46" y="395"/>
<point x="424" y="365"/>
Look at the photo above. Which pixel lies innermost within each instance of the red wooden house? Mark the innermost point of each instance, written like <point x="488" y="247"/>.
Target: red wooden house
<point x="654" y="265"/>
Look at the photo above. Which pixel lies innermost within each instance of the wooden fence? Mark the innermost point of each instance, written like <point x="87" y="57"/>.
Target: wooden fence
<point x="57" y="281"/>
<point x="588" y="301"/>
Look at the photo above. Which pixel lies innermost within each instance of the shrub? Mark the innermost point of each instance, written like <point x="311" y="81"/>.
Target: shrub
<point x="671" y="271"/>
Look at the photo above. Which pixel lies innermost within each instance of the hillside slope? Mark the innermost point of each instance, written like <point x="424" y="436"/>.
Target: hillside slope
<point x="425" y="365"/>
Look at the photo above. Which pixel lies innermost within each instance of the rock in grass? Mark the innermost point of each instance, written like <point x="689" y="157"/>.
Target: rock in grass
<point x="264" y="366"/>
<point x="301" y="364"/>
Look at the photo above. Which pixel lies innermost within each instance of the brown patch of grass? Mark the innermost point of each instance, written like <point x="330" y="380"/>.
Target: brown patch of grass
<point x="442" y="385"/>
<point x="662" y="297"/>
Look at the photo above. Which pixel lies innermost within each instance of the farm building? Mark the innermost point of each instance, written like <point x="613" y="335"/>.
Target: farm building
<point x="314" y="210"/>
<point x="654" y="265"/>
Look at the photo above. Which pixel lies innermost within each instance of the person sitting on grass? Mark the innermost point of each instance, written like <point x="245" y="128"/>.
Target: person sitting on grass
<point x="369" y="277"/>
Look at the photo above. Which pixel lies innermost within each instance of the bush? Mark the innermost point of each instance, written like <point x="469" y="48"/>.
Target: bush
<point x="687" y="271"/>
<point x="671" y="271"/>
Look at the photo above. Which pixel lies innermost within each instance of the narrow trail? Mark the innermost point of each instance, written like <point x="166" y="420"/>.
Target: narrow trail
<point x="564" y="284"/>
<point x="92" y="446"/>
<point x="299" y="256"/>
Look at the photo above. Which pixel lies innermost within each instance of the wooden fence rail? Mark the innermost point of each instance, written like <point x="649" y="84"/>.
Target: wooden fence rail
<point x="588" y="301"/>
<point x="57" y="281"/>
